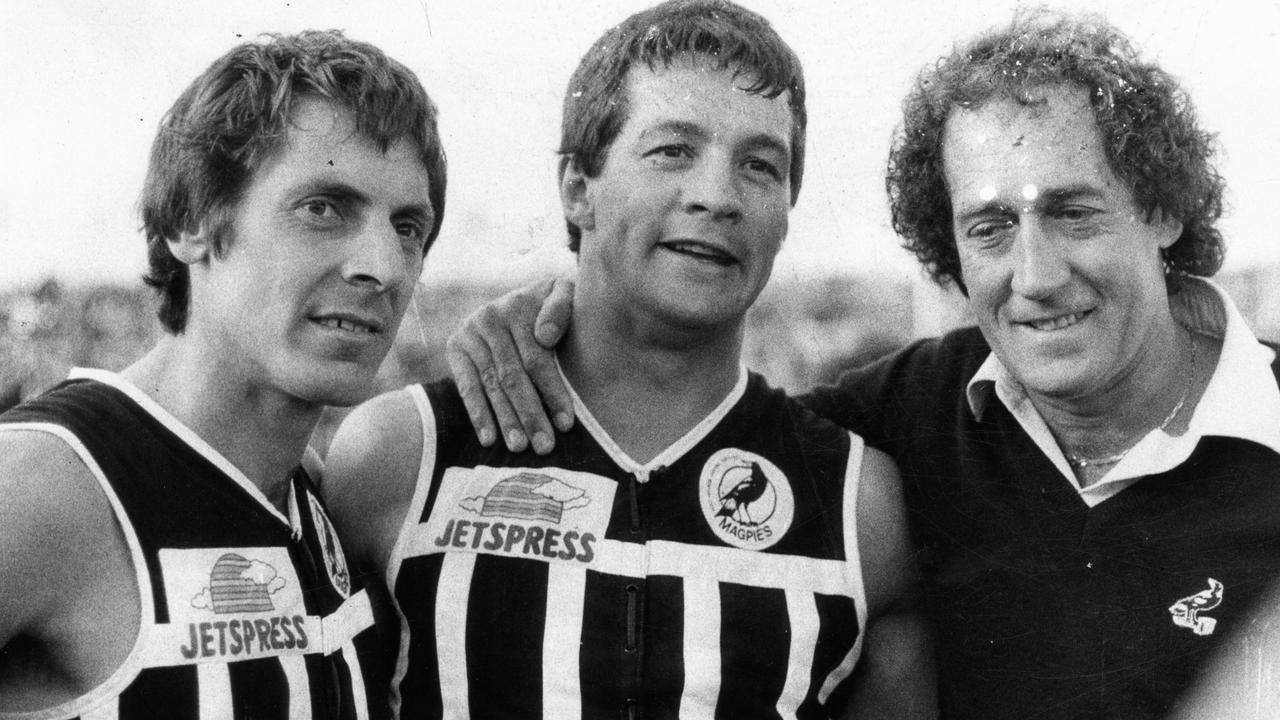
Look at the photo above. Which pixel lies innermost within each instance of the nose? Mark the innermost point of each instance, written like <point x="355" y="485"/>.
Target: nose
<point x="1040" y="266"/>
<point x="713" y="188"/>
<point x="376" y="257"/>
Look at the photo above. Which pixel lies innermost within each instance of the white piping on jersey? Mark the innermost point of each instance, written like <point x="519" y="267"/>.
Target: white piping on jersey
<point x="295" y="672"/>
<point x="701" y="644"/>
<point x="359" y="697"/>
<point x="106" y="692"/>
<point x="802" y="613"/>
<point x="213" y="683"/>
<point x="401" y="550"/>
<point x="853" y="566"/>
<point x="674" y="451"/>
<point x="451" y="633"/>
<point x="561" y="681"/>
<point x="186" y="434"/>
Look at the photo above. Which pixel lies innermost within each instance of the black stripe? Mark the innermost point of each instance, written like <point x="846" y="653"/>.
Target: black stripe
<point x="420" y="690"/>
<point x="171" y="688"/>
<point x="506" y="622"/>
<point x="664" y="647"/>
<point x="755" y="639"/>
<point x="259" y="689"/>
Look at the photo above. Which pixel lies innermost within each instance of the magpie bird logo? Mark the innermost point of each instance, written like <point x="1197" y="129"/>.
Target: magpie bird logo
<point x="1187" y="611"/>
<point x="746" y="499"/>
<point x="746" y="492"/>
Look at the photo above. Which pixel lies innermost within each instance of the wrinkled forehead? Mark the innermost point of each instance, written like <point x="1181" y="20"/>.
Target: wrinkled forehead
<point x="1007" y="140"/>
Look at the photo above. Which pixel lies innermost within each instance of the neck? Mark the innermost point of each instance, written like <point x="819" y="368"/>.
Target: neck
<point x="261" y="431"/>
<point x="1096" y="432"/>
<point x="646" y="382"/>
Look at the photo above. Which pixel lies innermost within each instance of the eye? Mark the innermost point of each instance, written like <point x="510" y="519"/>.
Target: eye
<point x="411" y="232"/>
<point x="990" y="232"/>
<point x="1075" y="213"/>
<point x="670" y="155"/>
<point x="320" y="209"/>
<point x="759" y="165"/>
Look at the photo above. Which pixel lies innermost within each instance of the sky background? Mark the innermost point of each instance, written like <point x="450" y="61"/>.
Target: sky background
<point x="86" y="83"/>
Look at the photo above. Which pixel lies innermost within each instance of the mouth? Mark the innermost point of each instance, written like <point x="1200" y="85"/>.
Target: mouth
<point x="349" y="324"/>
<point x="1058" y="322"/>
<point x="700" y="251"/>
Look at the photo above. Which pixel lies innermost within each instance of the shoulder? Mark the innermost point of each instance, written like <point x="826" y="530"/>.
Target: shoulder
<point x="54" y="508"/>
<point x="371" y="468"/>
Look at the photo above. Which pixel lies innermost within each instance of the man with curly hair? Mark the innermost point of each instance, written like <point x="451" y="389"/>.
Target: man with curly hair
<point x="163" y="548"/>
<point x="1091" y="472"/>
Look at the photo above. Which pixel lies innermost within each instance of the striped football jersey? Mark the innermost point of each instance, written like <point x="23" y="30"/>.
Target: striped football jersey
<point x="247" y="612"/>
<point x="720" y="579"/>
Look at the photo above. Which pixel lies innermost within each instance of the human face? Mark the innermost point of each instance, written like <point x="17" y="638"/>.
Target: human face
<point x="690" y="207"/>
<point x="1063" y="270"/>
<point x="326" y="245"/>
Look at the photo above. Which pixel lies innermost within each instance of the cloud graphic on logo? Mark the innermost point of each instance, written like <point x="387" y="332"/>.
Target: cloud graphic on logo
<point x="261" y="573"/>
<point x="474" y="504"/>
<point x="567" y="495"/>
<point x="203" y="600"/>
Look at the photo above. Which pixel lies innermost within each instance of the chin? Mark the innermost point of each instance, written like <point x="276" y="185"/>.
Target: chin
<point x="340" y="387"/>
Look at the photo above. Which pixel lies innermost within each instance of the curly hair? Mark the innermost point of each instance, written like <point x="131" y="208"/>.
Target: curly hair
<point x="235" y="115"/>
<point x="595" y="103"/>
<point x="1150" y="135"/>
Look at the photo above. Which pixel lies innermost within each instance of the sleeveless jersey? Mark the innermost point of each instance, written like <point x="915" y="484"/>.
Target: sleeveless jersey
<point x="722" y="579"/>
<point x="246" y="613"/>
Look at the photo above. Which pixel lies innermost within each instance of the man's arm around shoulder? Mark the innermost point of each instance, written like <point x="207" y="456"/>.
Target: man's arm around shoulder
<point x="896" y="675"/>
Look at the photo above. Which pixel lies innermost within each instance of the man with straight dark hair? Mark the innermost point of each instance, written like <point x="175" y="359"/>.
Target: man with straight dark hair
<point x="700" y="545"/>
<point x="164" y="551"/>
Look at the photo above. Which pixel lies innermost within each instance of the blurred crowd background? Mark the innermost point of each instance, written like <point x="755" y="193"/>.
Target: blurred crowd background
<point x="802" y="332"/>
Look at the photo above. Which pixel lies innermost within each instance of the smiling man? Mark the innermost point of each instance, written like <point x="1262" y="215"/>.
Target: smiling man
<point x="1091" y="472"/>
<point x="699" y="546"/>
<point x="164" y="551"/>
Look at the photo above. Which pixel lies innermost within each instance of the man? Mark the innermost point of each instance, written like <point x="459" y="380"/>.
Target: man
<point x="698" y="546"/>
<point x="1091" y="472"/>
<point x="164" y="553"/>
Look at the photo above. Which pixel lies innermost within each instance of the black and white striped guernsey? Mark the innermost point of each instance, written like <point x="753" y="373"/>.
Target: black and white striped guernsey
<point x="720" y="579"/>
<point x="246" y="613"/>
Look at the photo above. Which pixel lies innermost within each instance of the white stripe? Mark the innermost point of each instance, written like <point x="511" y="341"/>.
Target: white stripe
<point x="855" y="589"/>
<point x="561" y="670"/>
<point x="451" y="632"/>
<point x="295" y="673"/>
<point x="106" y="711"/>
<point x="351" y="618"/>
<point x="358" y="696"/>
<point x="746" y="567"/>
<point x="409" y="531"/>
<point x="213" y="684"/>
<point x="802" y="612"/>
<point x="701" y="649"/>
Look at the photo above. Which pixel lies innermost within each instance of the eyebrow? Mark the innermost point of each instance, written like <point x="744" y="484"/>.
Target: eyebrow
<point x="1052" y="196"/>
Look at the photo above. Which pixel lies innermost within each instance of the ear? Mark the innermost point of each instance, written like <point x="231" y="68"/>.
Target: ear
<point x="1169" y="227"/>
<point x="575" y="195"/>
<point x="192" y="248"/>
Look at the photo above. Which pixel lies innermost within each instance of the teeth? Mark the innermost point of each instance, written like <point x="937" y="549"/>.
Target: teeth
<point x="347" y="325"/>
<point x="701" y="251"/>
<point x="1057" y="323"/>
